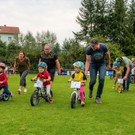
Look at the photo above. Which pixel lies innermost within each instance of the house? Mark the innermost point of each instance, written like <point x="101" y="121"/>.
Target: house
<point x="8" y="33"/>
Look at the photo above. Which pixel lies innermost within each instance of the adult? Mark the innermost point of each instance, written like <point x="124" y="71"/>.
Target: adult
<point x="22" y="63"/>
<point x="95" y="61"/>
<point x="127" y="64"/>
<point x="51" y="60"/>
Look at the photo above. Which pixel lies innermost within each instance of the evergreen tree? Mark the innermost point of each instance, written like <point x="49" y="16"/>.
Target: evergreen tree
<point x="92" y="18"/>
<point x="86" y="19"/>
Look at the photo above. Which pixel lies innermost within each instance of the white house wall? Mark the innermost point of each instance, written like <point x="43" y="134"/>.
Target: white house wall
<point x="6" y="37"/>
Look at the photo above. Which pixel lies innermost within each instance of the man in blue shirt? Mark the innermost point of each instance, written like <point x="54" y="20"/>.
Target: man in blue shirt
<point x="96" y="62"/>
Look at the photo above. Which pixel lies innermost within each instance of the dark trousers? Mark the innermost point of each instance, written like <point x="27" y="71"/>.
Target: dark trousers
<point x="94" y="68"/>
<point x="22" y="77"/>
<point x="126" y="85"/>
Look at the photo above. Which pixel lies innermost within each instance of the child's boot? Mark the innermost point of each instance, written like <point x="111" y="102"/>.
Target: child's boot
<point x="50" y="100"/>
<point x="82" y="103"/>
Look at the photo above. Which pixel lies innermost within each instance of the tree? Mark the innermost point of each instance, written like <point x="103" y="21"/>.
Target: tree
<point x="2" y="51"/>
<point x="12" y="52"/>
<point x="56" y="49"/>
<point x="91" y="18"/>
<point x="46" y="38"/>
<point x="71" y="51"/>
<point x="85" y="19"/>
<point x="29" y="42"/>
<point x="67" y="44"/>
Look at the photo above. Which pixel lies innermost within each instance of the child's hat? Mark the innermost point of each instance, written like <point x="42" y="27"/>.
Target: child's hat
<point x="116" y="63"/>
<point x="79" y="64"/>
<point x="2" y="65"/>
<point x="42" y="64"/>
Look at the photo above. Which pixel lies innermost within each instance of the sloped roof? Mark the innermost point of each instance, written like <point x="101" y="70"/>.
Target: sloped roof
<point x="8" y="29"/>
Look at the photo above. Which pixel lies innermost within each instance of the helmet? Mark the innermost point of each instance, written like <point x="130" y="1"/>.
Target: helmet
<point x="119" y="59"/>
<point x="2" y="65"/>
<point x="116" y="63"/>
<point x="79" y="64"/>
<point x="42" y="64"/>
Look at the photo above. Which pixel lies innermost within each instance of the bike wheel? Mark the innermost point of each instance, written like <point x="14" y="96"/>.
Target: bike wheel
<point x="5" y="97"/>
<point x="73" y="100"/>
<point x="51" y="93"/>
<point x="132" y="80"/>
<point x="84" y="95"/>
<point x="34" y="100"/>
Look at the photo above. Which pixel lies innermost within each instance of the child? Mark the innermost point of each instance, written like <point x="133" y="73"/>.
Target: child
<point x="79" y="76"/>
<point x="133" y="71"/>
<point x="3" y="80"/>
<point x="119" y="70"/>
<point x="44" y="75"/>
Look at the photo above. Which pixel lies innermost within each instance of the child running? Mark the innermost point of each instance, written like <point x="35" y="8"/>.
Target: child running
<point x="3" y="80"/>
<point x="119" y="69"/>
<point x="79" y="76"/>
<point x="44" y="75"/>
<point x="133" y="71"/>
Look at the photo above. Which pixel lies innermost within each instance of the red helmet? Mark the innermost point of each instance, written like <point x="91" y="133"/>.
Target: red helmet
<point x="2" y="65"/>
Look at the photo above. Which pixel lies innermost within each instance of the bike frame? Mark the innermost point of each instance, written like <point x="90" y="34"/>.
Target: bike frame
<point x="77" y="92"/>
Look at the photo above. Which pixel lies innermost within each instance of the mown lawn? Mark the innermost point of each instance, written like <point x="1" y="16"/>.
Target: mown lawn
<point x="115" y="116"/>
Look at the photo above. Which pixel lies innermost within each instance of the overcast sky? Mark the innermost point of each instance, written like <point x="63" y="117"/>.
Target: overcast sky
<point x="57" y="16"/>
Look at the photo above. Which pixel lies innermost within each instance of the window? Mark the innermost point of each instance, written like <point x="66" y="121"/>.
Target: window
<point x="9" y="39"/>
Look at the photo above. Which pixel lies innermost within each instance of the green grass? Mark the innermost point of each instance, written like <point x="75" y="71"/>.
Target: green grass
<point x="115" y="116"/>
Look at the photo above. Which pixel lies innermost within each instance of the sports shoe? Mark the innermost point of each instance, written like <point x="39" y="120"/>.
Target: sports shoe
<point x="25" y="90"/>
<point x="90" y="93"/>
<point x="50" y="100"/>
<point x="98" y="101"/>
<point x="82" y="103"/>
<point x="19" y="91"/>
<point x="12" y="96"/>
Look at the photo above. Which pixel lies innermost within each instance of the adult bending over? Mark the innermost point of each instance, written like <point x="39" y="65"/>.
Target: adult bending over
<point x="22" y="63"/>
<point x="127" y="64"/>
<point x="95" y="61"/>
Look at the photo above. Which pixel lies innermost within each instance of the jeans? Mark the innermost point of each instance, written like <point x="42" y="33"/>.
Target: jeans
<point x="94" y="68"/>
<point x="128" y="78"/>
<point x="5" y="89"/>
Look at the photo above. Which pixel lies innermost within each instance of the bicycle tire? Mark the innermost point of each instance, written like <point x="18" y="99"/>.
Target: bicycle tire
<point x="51" y="93"/>
<point x="34" y="100"/>
<point x="73" y="100"/>
<point x="5" y="97"/>
<point x="131" y="80"/>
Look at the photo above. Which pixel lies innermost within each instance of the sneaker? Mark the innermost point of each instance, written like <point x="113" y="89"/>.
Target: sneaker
<point x="82" y="103"/>
<point x="25" y="90"/>
<point x="19" y="91"/>
<point x="12" y="96"/>
<point x="50" y="100"/>
<point x="90" y="93"/>
<point x="98" y="101"/>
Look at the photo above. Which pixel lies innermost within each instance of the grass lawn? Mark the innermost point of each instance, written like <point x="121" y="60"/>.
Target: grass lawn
<point x="115" y="116"/>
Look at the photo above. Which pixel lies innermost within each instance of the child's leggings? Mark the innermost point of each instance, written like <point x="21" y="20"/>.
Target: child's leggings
<point x="48" y="88"/>
<point x="81" y="93"/>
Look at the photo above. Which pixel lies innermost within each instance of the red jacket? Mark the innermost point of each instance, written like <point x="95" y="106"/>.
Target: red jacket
<point x="3" y="78"/>
<point x="44" y="75"/>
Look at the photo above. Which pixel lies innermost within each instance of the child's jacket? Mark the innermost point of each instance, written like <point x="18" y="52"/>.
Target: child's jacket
<point x="3" y="78"/>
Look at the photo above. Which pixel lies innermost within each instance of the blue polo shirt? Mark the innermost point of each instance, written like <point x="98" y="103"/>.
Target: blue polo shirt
<point x="97" y="56"/>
